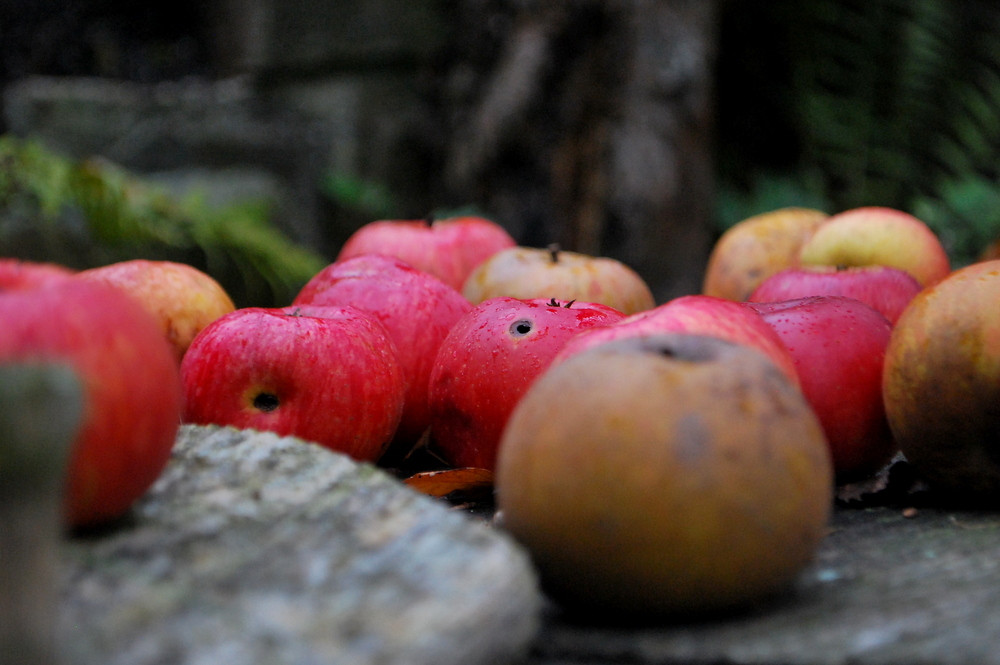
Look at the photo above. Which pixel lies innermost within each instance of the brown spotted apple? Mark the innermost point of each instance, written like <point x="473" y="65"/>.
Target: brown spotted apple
<point x="674" y="475"/>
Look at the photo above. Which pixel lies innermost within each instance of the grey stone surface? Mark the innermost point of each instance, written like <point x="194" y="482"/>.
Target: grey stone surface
<point x="885" y="588"/>
<point x="257" y="549"/>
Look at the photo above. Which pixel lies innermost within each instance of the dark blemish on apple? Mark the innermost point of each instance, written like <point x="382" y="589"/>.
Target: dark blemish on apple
<point x="693" y="437"/>
<point x="266" y="402"/>
<point x="520" y="328"/>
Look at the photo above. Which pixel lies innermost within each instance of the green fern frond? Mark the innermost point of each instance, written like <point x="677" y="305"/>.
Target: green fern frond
<point x="93" y="212"/>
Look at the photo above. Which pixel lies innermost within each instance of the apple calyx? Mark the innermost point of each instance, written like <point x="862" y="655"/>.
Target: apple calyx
<point x="555" y="303"/>
<point x="266" y="402"/>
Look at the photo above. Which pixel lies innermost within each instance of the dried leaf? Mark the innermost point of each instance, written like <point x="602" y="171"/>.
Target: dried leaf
<point x="448" y="481"/>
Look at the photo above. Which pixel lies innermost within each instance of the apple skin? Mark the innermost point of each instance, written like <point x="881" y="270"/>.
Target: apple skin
<point x="416" y="308"/>
<point x="182" y="298"/>
<point x="487" y="362"/>
<point x="757" y="247"/>
<point x="697" y="315"/>
<point x="132" y="393"/>
<point x="675" y="475"/>
<point x="529" y="272"/>
<point x="878" y="236"/>
<point x="449" y="249"/>
<point x="838" y="345"/>
<point x="18" y="274"/>
<point x="332" y="379"/>
<point x="942" y="383"/>
<point x="888" y="290"/>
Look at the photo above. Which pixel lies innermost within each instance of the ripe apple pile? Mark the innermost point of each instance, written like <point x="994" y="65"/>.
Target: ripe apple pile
<point x="878" y="259"/>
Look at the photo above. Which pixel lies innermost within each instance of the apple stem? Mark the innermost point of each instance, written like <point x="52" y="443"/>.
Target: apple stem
<point x="429" y="219"/>
<point x="554" y="250"/>
<point x="553" y="303"/>
<point x="570" y="303"/>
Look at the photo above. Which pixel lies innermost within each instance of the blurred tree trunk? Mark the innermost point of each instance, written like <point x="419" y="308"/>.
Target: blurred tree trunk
<point x="588" y="123"/>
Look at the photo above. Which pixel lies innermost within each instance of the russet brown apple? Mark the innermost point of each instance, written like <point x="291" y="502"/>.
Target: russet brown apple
<point x="667" y="475"/>
<point x="756" y="248"/>
<point x="941" y="383"/>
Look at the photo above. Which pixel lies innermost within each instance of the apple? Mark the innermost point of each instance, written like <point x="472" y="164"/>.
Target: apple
<point x="330" y="376"/>
<point x="488" y="360"/>
<point x="757" y="247"/>
<point x="417" y="310"/>
<point x="878" y="236"/>
<point x="888" y="290"/>
<point x="449" y="249"/>
<point x="698" y="315"/>
<point x="18" y="274"/>
<point x="529" y="272"/>
<point x="673" y="475"/>
<point x="182" y="298"/>
<point x="131" y="388"/>
<point x="838" y="345"/>
<point x="942" y="382"/>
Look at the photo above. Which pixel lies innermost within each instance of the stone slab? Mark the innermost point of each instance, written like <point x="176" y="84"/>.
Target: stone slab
<point x="885" y="588"/>
<point x="252" y="548"/>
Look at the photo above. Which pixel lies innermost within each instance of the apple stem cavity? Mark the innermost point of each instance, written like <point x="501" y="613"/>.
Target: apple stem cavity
<point x="266" y="402"/>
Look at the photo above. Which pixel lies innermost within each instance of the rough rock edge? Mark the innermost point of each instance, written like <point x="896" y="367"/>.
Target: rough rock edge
<point x="217" y="566"/>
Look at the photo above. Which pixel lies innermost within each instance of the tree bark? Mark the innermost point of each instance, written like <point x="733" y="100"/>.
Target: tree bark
<point x="588" y="123"/>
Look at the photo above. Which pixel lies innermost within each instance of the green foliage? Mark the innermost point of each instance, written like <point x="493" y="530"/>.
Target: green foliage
<point x="767" y="192"/>
<point x="966" y="217"/>
<point x="362" y="196"/>
<point x="891" y="102"/>
<point x="84" y="214"/>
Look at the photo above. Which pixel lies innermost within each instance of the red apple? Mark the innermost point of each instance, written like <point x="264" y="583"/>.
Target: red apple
<point x="487" y="362"/>
<point x="417" y="310"/>
<point x="888" y="290"/>
<point x="131" y="388"/>
<point x="529" y="272"/>
<point x="838" y="345"/>
<point x="878" y="236"/>
<point x="449" y="249"/>
<point x="697" y="315"/>
<point x="17" y="274"/>
<point x="182" y="298"/>
<point x="331" y="379"/>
